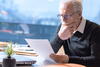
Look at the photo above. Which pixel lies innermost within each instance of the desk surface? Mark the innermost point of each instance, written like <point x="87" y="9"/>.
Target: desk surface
<point x="40" y="63"/>
<point x="65" y="65"/>
<point x="55" y="65"/>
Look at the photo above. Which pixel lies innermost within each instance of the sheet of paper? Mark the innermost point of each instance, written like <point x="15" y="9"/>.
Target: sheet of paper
<point x="42" y="47"/>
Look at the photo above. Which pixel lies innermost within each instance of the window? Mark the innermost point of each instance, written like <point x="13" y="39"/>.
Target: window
<point x="35" y="18"/>
<point x="27" y="19"/>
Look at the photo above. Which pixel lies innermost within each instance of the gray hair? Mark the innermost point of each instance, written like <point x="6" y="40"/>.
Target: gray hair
<point x="77" y="4"/>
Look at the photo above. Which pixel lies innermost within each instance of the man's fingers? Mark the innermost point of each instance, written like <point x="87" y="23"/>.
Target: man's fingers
<point x="52" y="56"/>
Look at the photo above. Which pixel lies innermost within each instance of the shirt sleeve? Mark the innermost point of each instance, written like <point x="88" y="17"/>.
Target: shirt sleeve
<point x="56" y="43"/>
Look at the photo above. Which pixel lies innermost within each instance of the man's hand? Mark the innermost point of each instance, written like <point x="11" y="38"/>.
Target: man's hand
<point x="60" y="58"/>
<point x="65" y="32"/>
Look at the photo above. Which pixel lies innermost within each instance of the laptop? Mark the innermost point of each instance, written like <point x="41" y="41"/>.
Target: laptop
<point x="20" y="59"/>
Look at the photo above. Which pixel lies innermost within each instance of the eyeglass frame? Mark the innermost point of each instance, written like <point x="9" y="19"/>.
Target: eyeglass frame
<point x="66" y="15"/>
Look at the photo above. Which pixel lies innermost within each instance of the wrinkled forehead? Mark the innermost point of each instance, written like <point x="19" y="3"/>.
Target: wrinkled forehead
<point x="66" y="7"/>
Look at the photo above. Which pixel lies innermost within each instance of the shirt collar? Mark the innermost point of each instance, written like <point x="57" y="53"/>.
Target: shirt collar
<point x="82" y="26"/>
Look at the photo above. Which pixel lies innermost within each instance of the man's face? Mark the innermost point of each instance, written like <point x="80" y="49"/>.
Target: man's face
<point x="68" y="16"/>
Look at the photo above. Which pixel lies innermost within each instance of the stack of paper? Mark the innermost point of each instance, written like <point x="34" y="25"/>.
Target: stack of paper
<point x="2" y="49"/>
<point x="3" y="45"/>
<point x="25" y="51"/>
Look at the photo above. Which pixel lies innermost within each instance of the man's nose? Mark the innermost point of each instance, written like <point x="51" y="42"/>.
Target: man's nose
<point x="63" y="18"/>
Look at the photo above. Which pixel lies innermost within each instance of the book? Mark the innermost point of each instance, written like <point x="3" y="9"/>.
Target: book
<point x="25" y="51"/>
<point x="19" y="49"/>
<point x="3" y="44"/>
<point x="28" y="53"/>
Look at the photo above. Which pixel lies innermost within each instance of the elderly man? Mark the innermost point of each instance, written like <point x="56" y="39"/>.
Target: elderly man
<point x="79" y="37"/>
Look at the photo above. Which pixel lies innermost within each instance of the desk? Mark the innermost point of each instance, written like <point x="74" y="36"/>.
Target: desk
<point x="40" y="63"/>
<point x="60" y="65"/>
<point x="65" y="65"/>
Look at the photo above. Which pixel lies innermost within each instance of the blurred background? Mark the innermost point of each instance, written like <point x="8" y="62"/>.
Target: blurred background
<point x="36" y="19"/>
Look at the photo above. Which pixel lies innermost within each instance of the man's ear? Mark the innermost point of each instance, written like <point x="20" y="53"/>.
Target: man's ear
<point x="80" y="13"/>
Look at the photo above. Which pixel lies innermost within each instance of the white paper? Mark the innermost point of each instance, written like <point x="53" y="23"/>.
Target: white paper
<point x="42" y="47"/>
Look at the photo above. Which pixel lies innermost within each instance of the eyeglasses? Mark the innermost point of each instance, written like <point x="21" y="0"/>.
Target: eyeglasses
<point x="66" y="16"/>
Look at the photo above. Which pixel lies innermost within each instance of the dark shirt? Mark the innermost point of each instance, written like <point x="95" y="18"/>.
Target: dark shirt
<point x="82" y="48"/>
